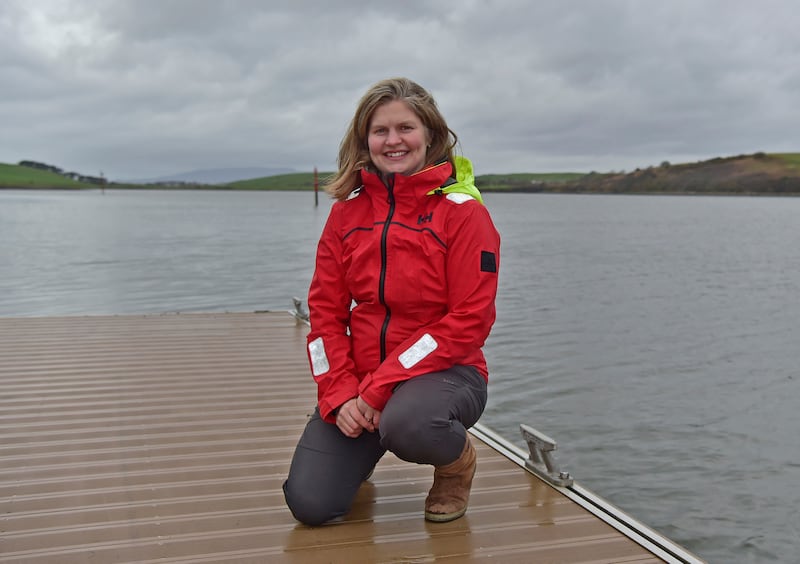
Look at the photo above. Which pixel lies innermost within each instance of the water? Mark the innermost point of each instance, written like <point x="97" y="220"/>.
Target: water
<point x="655" y="338"/>
<point x="134" y="252"/>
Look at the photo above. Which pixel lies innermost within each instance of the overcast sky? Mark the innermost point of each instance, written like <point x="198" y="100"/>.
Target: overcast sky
<point x="143" y="88"/>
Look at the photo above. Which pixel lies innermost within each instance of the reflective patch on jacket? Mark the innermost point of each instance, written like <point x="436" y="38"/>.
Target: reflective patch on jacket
<point x="319" y="360"/>
<point x="419" y="350"/>
<point x="354" y="194"/>
<point x="459" y="198"/>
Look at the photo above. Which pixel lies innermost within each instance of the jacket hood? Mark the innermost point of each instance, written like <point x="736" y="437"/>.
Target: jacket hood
<point x="465" y="180"/>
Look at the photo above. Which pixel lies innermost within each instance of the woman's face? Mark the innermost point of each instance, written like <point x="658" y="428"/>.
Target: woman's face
<point x="397" y="139"/>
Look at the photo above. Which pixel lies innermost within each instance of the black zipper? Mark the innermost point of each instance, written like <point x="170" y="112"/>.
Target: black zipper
<point x="389" y="183"/>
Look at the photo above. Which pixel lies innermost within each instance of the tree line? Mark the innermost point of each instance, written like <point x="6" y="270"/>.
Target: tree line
<point x="99" y="180"/>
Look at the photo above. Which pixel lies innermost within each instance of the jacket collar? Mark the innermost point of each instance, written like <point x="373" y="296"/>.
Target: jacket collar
<point x="420" y="183"/>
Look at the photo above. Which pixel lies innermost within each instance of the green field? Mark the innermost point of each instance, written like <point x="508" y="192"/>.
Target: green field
<point x="292" y="181"/>
<point x="15" y="176"/>
<point x="791" y="160"/>
<point x="500" y="182"/>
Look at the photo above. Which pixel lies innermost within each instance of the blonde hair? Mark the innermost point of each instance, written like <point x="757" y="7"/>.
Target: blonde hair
<point x="353" y="150"/>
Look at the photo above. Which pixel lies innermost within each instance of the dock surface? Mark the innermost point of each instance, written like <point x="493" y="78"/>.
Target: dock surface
<point x="166" y="438"/>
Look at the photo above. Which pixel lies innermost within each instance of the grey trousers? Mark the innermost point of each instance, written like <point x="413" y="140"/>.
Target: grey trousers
<point x="425" y="421"/>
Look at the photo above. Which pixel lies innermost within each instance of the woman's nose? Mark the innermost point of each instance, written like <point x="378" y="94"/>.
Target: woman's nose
<point x="393" y="137"/>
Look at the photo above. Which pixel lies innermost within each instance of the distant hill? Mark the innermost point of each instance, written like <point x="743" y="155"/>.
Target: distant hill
<point x="758" y="174"/>
<point x="215" y="175"/>
<point x="291" y="181"/>
<point x="16" y="176"/>
<point x="487" y="182"/>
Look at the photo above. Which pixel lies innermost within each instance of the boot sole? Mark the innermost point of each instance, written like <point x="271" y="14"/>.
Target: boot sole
<point x="444" y="517"/>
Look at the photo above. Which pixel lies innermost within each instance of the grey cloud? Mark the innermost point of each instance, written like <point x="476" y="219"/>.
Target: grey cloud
<point x="144" y="88"/>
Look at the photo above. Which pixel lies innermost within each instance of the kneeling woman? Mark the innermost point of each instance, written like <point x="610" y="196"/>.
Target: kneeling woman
<point x="401" y="302"/>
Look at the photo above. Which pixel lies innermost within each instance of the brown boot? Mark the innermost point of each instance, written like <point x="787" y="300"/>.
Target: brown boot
<point x="448" y="497"/>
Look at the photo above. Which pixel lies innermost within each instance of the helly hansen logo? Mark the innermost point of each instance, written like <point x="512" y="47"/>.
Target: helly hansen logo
<point x="424" y="218"/>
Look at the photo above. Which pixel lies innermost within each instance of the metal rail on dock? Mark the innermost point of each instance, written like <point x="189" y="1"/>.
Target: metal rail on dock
<point x="533" y="462"/>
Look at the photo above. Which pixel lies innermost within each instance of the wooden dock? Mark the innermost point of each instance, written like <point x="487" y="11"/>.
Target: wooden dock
<point x="166" y="438"/>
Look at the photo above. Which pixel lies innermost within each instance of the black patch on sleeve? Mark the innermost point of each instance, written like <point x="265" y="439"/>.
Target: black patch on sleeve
<point x="488" y="262"/>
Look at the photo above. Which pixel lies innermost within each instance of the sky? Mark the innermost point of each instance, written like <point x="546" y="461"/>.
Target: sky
<point x="145" y="88"/>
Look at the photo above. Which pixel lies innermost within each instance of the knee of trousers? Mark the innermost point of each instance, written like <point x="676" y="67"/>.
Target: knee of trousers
<point x="308" y="507"/>
<point x="423" y="442"/>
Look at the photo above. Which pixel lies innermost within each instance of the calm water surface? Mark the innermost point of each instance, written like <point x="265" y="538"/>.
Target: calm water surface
<point x="654" y="337"/>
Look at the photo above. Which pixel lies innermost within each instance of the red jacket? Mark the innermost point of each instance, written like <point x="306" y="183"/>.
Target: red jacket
<point x="405" y="284"/>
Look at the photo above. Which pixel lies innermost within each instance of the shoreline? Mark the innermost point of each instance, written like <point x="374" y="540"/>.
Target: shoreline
<point x="202" y="188"/>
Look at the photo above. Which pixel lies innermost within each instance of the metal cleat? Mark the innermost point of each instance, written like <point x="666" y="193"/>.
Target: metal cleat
<point x="299" y="311"/>
<point x="541" y="461"/>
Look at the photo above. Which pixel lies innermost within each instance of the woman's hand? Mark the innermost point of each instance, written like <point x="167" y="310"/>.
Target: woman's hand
<point x="370" y="414"/>
<point x="355" y="415"/>
<point x="351" y="420"/>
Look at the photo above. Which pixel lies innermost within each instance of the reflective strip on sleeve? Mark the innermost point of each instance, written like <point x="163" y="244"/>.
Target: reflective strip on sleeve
<point x="419" y="350"/>
<point x="319" y="360"/>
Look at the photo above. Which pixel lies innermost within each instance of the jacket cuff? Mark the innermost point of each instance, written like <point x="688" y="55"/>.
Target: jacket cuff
<point x="329" y="407"/>
<point x="376" y="398"/>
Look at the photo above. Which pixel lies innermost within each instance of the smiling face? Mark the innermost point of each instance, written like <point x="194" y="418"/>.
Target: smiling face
<point x="397" y="139"/>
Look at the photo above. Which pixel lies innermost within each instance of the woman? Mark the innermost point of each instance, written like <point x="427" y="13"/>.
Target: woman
<point x="401" y="302"/>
